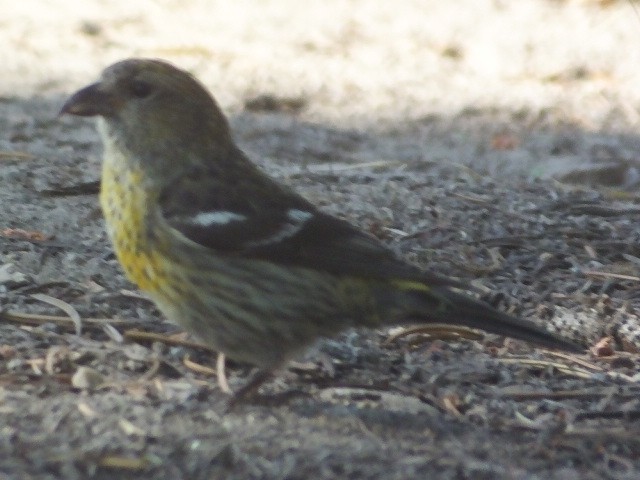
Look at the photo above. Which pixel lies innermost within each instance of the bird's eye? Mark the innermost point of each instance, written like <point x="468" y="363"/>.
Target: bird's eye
<point x="141" y="89"/>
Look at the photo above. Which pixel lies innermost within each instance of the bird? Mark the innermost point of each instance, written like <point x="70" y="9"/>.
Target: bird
<point x="245" y="263"/>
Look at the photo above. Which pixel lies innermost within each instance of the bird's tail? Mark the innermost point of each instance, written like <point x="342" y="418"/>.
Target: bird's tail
<point x="415" y="302"/>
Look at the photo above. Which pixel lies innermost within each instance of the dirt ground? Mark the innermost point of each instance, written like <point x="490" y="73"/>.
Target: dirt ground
<point x="493" y="141"/>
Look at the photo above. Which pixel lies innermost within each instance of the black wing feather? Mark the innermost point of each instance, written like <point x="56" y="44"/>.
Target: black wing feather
<point x="320" y="242"/>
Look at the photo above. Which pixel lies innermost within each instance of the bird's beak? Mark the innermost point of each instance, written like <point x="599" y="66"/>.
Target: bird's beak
<point x="89" y="102"/>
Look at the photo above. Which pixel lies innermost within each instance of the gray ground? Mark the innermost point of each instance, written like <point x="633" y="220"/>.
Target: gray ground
<point x="451" y="130"/>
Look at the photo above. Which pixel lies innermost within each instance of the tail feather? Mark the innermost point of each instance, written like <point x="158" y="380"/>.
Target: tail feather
<point x="444" y="305"/>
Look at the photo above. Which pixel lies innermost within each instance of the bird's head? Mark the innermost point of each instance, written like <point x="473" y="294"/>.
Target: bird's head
<point x="149" y="107"/>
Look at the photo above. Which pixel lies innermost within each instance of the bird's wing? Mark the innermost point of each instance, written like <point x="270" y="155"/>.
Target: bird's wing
<point x="282" y="228"/>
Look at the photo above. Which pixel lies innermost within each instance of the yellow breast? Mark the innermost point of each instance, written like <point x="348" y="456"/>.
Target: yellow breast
<point x="126" y="205"/>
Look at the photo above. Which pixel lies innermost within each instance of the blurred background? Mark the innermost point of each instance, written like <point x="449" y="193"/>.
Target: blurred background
<point x="527" y="88"/>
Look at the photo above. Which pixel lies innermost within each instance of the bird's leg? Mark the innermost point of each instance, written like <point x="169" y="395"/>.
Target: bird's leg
<point x="249" y="388"/>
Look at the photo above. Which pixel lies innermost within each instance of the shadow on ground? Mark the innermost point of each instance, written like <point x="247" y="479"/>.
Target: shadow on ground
<point x="441" y="191"/>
